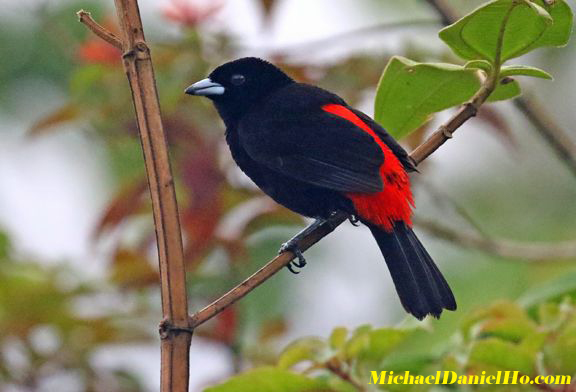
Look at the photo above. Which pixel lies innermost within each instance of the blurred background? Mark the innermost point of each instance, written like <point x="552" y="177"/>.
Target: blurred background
<point x="79" y="295"/>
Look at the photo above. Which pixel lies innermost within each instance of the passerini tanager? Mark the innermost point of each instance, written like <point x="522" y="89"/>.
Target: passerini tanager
<point x="311" y="152"/>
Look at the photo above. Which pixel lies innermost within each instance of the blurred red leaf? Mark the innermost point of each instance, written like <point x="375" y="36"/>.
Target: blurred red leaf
<point x="272" y="329"/>
<point x="127" y="202"/>
<point x="181" y="133"/>
<point x="133" y="269"/>
<point x="190" y="13"/>
<point x="59" y="116"/>
<point x="97" y="51"/>
<point x="203" y="181"/>
<point x="225" y="327"/>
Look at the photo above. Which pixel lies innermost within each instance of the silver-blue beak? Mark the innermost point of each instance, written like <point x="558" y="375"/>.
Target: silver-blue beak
<point x="205" y="87"/>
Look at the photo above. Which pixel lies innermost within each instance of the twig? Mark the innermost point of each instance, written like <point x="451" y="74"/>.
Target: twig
<point x="443" y="199"/>
<point x="321" y="43"/>
<point x="549" y="130"/>
<point x="333" y="365"/>
<point x="443" y="133"/>
<point x="100" y="31"/>
<point x="446" y="13"/>
<point x="175" y="331"/>
<point x="534" y="252"/>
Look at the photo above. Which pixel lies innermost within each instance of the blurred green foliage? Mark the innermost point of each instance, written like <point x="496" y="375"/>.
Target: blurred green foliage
<point x="537" y="340"/>
<point x="532" y="331"/>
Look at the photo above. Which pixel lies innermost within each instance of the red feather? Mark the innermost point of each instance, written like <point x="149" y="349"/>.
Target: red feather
<point x="395" y="201"/>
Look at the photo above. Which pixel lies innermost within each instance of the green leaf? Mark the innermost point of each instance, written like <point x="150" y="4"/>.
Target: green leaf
<point x="524" y="70"/>
<point x="533" y="343"/>
<point x="382" y="341"/>
<point x="558" y="33"/>
<point x="507" y="89"/>
<point x="503" y="355"/>
<point x="549" y="314"/>
<point x="338" y="338"/>
<point x="85" y="79"/>
<point x="476" y="35"/>
<point x="409" y="92"/>
<point x="305" y="349"/>
<point x="482" y="65"/>
<point x="498" y="310"/>
<point x="5" y="245"/>
<point x="269" y="379"/>
<point x="511" y="329"/>
<point x="354" y="345"/>
<point x="559" y="354"/>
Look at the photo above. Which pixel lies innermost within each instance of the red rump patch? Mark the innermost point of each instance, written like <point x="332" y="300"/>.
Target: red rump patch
<point x="394" y="202"/>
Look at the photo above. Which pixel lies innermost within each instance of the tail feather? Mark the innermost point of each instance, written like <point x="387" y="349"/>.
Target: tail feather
<point x="420" y="285"/>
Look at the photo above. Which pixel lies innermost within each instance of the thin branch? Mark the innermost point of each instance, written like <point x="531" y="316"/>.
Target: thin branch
<point x="562" y="144"/>
<point x="534" y="252"/>
<point x="556" y="137"/>
<point x="85" y="18"/>
<point x="445" y="131"/>
<point x="175" y="331"/>
<point x="446" y="13"/>
<point x="322" y="43"/>
<point x="333" y="365"/>
<point x="443" y="199"/>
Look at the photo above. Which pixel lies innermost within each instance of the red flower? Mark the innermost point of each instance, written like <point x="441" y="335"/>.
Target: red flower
<point x="97" y="51"/>
<point x="190" y="13"/>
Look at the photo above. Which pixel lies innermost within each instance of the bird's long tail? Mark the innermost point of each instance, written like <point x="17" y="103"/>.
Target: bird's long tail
<point x="420" y="285"/>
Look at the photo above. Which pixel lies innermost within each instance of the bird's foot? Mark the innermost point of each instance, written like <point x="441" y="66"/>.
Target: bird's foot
<point x="354" y="220"/>
<point x="300" y="262"/>
<point x="293" y="246"/>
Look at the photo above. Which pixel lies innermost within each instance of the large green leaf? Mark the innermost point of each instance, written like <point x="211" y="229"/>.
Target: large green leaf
<point x="269" y="379"/>
<point x="476" y="35"/>
<point x="409" y="92"/>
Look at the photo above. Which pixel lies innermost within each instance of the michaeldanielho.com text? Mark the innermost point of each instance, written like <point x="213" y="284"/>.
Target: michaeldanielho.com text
<point x="450" y="377"/>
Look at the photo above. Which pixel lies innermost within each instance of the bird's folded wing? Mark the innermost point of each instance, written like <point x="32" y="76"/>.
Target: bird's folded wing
<point x="319" y="148"/>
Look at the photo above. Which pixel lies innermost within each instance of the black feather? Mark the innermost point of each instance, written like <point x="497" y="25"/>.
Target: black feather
<point x="420" y="285"/>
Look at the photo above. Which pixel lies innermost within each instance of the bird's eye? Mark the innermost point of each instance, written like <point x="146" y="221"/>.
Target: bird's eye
<point x="237" y="79"/>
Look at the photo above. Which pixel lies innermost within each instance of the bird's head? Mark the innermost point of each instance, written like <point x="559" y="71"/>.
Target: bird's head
<point x="238" y="85"/>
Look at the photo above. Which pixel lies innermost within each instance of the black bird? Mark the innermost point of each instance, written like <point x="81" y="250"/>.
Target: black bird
<point x="314" y="154"/>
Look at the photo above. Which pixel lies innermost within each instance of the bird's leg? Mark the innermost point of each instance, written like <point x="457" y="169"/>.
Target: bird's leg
<point x="292" y="245"/>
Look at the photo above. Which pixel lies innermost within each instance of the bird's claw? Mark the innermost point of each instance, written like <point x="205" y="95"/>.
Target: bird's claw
<point x="354" y="220"/>
<point x="300" y="262"/>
